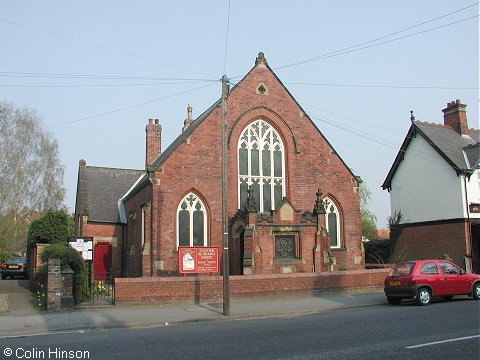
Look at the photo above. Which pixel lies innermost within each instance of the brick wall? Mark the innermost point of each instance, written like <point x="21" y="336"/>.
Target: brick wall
<point x="210" y="288"/>
<point x="432" y="240"/>
<point x="112" y="233"/>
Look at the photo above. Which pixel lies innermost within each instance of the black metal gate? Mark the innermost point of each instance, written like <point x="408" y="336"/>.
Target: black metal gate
<point x="99" y="288"/>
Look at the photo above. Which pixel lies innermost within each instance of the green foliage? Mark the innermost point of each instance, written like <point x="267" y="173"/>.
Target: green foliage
<point x="369" y="226"/>
<point x="71" y="257"/>
<point x="395" y="225"/>
<point x="369" y="220"/>
<point x="53" y="228"/>
<point x="41" y="295"/>
<point x="377" y="251"/>
<point x="383" y="251"/>
<point x="5" y="255"/>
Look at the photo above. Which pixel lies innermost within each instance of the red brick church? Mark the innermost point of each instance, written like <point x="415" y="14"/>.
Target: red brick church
<point x="293" y="204"/>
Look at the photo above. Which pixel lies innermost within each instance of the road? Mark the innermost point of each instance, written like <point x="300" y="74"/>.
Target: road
<point x="442" y="330"/>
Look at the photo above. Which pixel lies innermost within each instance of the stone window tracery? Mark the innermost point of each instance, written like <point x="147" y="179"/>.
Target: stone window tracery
<point x="261" y="164"/>
<point x="191" y="222"/>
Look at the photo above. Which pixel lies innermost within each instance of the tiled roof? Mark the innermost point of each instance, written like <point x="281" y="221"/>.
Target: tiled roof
<point x="449" y="144"/>
<point x="100" y="189"/>
<point x="472" y="152"/>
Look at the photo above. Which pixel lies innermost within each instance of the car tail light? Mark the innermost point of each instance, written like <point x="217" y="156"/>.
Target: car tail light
<point x="24" y="266"/>
<point x="4" y="266"/>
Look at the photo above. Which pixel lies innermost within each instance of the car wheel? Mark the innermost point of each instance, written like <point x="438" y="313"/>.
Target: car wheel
<point x="476" y="291"/>
<point x="393" y="301"/>
<point x="3" y="277"/>
<point x="423" y="296"/>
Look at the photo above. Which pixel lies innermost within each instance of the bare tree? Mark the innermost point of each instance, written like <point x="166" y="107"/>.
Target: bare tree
<point x="30" y="171"/>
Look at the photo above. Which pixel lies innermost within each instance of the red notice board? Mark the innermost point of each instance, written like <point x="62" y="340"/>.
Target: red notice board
<point x="198" y="259"/>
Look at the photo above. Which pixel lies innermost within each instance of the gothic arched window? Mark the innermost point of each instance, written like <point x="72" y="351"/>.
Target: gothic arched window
<point x="332" y="223"/>
<point x="261" y="163"/>
<point x="191" y="222"/>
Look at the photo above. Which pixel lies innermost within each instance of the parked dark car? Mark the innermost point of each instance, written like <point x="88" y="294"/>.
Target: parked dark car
<point x="13" y="267"/>
<point x="423" y="279"/>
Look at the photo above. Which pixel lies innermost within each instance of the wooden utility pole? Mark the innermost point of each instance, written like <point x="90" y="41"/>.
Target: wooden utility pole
<point x="226" y="267"/>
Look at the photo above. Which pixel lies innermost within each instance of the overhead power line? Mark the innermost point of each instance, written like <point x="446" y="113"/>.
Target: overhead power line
<point x="129" y="107"/>
<point x="364" y="45"/>
<point x="386" y="86"/>
<point x="17" y="74"/>
<point x="374" y="42"/>
<point x="101" y="47"/>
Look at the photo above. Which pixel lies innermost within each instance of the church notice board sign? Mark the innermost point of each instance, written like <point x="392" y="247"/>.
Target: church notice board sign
<point x="84" y="245"/>
<point x="198" y="259"/>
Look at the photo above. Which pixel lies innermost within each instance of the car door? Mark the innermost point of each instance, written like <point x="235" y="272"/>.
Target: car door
<point x="430" y="275"/>
<point x="453" y="281"/>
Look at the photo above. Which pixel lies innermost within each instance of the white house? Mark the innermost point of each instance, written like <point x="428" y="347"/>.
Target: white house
<point x="435" y="183"/>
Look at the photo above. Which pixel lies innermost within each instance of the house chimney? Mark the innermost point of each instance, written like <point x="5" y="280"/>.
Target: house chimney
<point x="153" y="141"/>
<point x="454" y="115"/>
<point x="188" y="121"/>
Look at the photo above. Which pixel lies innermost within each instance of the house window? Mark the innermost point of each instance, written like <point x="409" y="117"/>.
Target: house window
<point x="285" y="247"/>
<point x="191" y="222"/>
<point x="332" y="223"/>
<point x="261" y="164"/>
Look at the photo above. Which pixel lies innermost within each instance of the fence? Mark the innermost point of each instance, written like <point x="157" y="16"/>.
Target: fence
<point x="99" y="288"/>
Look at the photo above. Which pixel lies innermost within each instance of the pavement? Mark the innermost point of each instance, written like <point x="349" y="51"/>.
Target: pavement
<point x="20" y="317"/>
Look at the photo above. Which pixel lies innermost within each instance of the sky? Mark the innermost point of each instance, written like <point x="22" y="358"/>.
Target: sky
<point x="96" y="71"/>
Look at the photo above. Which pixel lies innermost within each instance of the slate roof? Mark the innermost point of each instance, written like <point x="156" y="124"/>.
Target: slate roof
<point x="99" y="190"/>
<point x="454" y="148"/>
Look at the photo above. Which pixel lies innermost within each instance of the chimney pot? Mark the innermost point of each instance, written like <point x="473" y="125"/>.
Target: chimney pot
<point x="455" y="116"/>
<point x="153" y="141"/>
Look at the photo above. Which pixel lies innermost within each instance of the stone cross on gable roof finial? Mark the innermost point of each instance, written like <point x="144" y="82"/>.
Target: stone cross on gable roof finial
<point x="261" y="59"/>
<point x="189" y="111"/>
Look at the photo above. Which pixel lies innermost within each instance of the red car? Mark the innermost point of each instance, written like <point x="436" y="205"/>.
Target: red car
<point x="423" y="279"/>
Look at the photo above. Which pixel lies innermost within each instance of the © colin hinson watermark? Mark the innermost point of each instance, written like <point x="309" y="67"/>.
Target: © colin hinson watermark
<point x="49" y="353"/>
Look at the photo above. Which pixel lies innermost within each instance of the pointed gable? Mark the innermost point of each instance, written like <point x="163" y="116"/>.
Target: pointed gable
<point x="447" y="142"/>
<point x="100" y="188"/>
<point x="262" y="81"/>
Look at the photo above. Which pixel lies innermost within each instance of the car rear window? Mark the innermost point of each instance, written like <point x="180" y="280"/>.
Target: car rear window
<point x="402" y="269"/>
<point x="16" y="261"/>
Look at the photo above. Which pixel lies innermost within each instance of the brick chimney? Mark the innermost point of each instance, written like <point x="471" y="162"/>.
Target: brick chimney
<point x="188" y="121"/>
<point x="153" y="141"/>
<point x="456" y="117"/>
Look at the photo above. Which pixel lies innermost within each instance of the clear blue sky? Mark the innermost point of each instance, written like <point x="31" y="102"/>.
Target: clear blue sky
<point x="95" y="71"/>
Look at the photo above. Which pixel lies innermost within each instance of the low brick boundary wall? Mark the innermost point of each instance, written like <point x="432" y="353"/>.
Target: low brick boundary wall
<point x="210" y="288"/>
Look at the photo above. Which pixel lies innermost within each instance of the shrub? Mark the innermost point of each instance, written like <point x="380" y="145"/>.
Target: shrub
<point x="71" y="257"/>
<point x="53" y="228"/>
<point x="378" y="251"/>
<point x="5" y="256"/>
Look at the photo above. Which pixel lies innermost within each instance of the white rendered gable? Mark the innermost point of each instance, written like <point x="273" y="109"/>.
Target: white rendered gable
<point x="425" y="187"/>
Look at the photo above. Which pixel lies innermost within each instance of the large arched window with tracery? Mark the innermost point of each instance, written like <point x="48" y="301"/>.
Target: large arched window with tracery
<point x="261" y="164"/>
<point x="191" y="222"/>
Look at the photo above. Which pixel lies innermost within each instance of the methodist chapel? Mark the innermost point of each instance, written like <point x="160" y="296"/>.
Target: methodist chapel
<point x="292" y="203"/>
